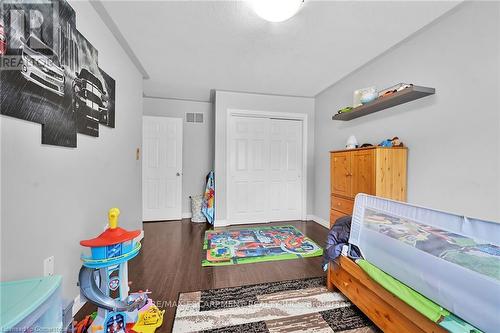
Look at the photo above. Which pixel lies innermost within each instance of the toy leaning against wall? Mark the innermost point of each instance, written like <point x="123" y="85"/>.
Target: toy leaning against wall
<point x="103" y="281"/>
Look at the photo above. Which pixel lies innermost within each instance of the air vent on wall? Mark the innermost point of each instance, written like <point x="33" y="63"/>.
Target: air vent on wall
<point x="194" y="117"/>
<point x="198" y="117"/>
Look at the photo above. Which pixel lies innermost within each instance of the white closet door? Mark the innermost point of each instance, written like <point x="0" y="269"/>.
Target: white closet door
<point x="248" y="165"/>
<point x="285" y="172"/>
<point x="162" y="168"/>
<point x="265" y="170"/>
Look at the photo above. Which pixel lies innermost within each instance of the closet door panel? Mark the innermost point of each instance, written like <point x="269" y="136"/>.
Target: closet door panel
<point x="248" y="192"/>
<point x="265" y="170"/>
<point x="286" y="169"/>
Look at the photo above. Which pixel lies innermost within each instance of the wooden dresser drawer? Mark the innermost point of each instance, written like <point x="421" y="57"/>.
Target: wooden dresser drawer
<point x="342" y="205"/>
<point x="334" y="215"/>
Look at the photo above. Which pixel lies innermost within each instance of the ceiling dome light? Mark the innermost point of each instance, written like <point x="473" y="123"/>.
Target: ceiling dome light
<point x="276" y="10"/>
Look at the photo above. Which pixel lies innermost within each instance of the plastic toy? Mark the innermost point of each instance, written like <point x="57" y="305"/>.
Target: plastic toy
<point x="394" y="89"/>
<point x="386" y="143"/>
<point x="396" y="142"/>
<point x="208" y="206"/>
<point x="351" y="143"/>
<point x="150" y="318"/>
<point x="83" y="325"/>
<point x="103" y="281"/>
<point x="368" y="95"/>
<point x="345" y="110"/>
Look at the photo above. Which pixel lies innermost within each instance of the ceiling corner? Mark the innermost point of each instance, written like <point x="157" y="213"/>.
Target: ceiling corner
<point x="108" y="21"/>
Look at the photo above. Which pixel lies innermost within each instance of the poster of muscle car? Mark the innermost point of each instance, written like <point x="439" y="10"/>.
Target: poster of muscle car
<point x="87" y="89"/>
<point x="50" y="74"/>
<point x="3" y="44"/>
<point x="107" y="115"/>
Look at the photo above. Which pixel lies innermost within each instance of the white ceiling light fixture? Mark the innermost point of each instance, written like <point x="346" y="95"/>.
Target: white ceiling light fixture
<point x="276" y="10"/>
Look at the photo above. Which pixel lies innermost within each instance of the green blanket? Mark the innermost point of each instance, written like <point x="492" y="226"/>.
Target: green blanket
<point x="417" y="301"/>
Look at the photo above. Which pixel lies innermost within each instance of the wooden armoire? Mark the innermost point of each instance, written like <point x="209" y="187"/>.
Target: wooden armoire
<point x="377" y="171"/>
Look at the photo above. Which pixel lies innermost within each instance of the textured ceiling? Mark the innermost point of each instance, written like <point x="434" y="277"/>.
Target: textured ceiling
<point x="191" y="47"/>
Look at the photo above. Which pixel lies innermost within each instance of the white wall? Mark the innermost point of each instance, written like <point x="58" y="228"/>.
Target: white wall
<point x="198" y="142"/>
<point x="224" y="101"/>
<point x="453" y="136"/>
<point x="53" y="197"/>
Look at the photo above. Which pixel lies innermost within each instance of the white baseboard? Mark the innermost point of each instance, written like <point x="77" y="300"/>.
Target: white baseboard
<point x="221" y="223"/>
<point x="319" y="220"/>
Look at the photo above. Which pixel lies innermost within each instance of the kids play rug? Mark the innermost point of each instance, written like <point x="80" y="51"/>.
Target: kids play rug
<point x="250" y="245"/>
<point x="288" y="306"/>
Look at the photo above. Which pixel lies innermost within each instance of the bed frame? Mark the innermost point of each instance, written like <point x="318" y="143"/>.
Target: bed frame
<point x="387" y="311"/>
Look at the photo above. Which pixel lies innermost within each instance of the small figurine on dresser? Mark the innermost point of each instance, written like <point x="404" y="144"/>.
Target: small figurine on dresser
<point x="351" y="143"/>
<point x="394" y="142"/>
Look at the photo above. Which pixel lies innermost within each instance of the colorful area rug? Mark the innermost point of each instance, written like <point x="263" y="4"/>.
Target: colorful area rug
<point x="288" y="306"/>
<point x="243" y="246"/>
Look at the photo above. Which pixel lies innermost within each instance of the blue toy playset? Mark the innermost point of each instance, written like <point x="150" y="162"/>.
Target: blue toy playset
<point x="103" y="281"/>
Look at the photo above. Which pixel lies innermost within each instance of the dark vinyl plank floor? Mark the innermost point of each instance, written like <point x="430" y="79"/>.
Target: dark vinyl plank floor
<point x="170" y="263"/>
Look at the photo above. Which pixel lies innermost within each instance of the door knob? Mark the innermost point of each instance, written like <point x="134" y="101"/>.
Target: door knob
<point x="178" y="174"/>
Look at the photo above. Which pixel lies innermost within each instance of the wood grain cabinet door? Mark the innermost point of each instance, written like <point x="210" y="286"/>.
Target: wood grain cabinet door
<point x="340" y="166"/>
<point x="363" y="172"/>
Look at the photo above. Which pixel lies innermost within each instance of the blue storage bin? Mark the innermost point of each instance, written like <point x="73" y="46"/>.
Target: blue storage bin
<point x="34" y="305"/>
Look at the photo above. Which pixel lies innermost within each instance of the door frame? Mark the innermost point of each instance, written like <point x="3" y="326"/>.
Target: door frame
<point x="276" y="115"/>
<point x="181" y="166"/>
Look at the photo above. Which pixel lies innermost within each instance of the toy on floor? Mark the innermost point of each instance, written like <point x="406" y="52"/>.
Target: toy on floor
<point x="150" y="318"/>
<point x="208" y="207"/>
<point x="83" y="325"/>
<point x="103" y="281"/>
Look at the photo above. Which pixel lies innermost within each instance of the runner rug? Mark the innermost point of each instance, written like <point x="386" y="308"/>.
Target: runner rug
<point x="289" y="306"/>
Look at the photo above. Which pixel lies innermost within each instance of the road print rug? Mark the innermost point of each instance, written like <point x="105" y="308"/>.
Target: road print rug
<point x="258" y="244"/>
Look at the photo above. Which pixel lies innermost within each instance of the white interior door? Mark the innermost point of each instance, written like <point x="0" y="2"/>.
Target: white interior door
<point x="162" y="168"/>
<point x="265" y="170"/>
<point x="248" y="169"/>
<point x="285" y="170"/>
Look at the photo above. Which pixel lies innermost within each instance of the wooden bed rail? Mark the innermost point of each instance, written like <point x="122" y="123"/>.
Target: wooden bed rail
<point x="388" y="312"/>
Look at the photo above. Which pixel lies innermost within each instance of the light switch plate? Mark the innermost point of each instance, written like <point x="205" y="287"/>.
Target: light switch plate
<point x="48" y="266"/>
